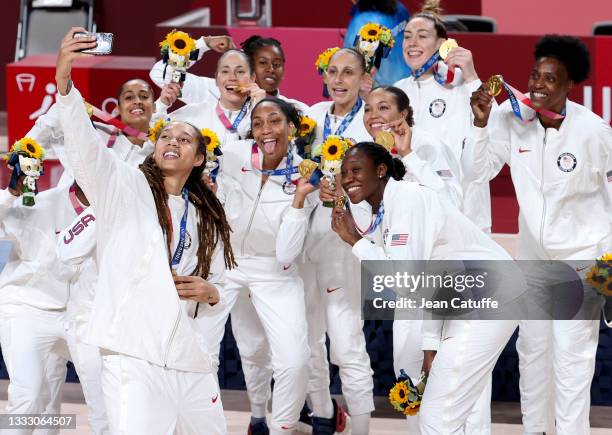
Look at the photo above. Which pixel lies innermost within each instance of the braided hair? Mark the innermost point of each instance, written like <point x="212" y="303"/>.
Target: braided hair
<point x="212" y="222"/>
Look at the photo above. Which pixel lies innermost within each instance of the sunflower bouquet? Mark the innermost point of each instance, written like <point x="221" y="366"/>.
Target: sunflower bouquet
<point x="405" y="396"/>
<point x="330" y="153"/>
<point x="211" y="140"/>
<point x="304" y="136"/>
<point x="25" y="159"/>
<point x="322" y="64"/>
<point x="375" y="43"/>
<point x="178" y="50"/>
<point x="600" y="275"/>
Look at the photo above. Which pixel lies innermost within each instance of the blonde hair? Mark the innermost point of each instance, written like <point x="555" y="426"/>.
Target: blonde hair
<point x="432" y="7"/>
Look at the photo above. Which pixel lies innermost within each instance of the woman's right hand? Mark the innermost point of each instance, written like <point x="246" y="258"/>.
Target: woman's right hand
<point x="481" y="102"/>
<point x="402" y="134"/>
<point x="70" y="50"/>
<point x="170" y="93"/>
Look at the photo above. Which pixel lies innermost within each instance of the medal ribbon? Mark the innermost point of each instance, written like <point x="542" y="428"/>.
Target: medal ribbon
<point x="180" y="247"/>
<point x="515" y="96"/>
<point x="232" y="127"/>
<point x="74" y="200"/>
<point x="433" y="60"/>
<point x="112" y="139"/>
<point x="287" y="171"/>
<point x="108" y="119"/>
<point x="373" y="223"/>
<point x="345" y="122"/>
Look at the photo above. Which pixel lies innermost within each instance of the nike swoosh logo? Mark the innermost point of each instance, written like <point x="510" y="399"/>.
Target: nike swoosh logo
<point x="446" y="338"/>
<point x="523" y="150"/>
<point x="580" y="269"/>
<point x="214" y="399"/>
<point x="286" y="267"/>
<point x="331" y="290"/>
<point x="286" y="427"/>
<point x="243" y="169"/>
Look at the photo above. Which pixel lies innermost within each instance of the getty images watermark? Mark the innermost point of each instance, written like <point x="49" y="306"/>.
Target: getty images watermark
<point x="511" y="290"/>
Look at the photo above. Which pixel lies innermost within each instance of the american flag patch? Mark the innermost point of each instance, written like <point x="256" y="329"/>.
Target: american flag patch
<point x="399" y="239"/>
<point x="445" y="173"/>
<point x="609" y="175"/>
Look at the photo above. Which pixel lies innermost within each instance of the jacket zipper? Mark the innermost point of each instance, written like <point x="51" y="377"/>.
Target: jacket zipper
<point x="171" y="339"/>
<point x="543" y="196"/>
<point x="251" y="218"/>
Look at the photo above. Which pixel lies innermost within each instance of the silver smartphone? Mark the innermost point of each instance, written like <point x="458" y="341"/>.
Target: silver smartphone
<point x="104" y="41"/>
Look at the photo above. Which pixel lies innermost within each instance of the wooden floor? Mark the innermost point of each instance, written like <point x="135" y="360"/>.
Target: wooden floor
<point x="505" y="416"/>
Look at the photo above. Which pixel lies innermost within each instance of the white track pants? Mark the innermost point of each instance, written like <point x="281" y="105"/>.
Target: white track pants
<point x="336" y="310"/>
<point x="142" y="398"/>
<point x="278" y="297"/>
<point x="556" y="359"/>
<point x="33" y="345"/>
<point x="460" y="373"/>
<point x="254" y="351"/>
<point x="88" y="363"/>
<point x="407" y="355"/>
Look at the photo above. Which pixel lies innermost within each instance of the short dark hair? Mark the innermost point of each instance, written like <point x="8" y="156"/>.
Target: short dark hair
<point x="242" y="53"/>
<point x="379" y="155"/>
<point x="568" y="50"/>
<point x="358" y="56"/>
<point x="401" y="101"/>
<point x="253" y="43"/>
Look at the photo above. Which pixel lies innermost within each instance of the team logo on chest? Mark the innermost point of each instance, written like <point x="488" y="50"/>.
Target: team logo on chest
<point x="187" y="240"/>
<point x="567" y="162"/>
<point x="437" y="107"/>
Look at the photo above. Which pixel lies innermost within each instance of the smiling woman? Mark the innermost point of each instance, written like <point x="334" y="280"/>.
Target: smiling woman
<point x="178" y="278"/>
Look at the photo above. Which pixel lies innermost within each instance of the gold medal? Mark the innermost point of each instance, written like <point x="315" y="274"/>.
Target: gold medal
<point x="446" y="47"/>
<point x="495" y="84"/>
<point x="385" y="139"/>
<point x="89" y="109"/>
<point x="340" y="202"/>
<point x="307" y="167"/>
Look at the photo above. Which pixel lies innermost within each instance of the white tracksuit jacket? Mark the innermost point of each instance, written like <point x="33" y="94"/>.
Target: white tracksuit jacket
<point x="447" y="114"/>
<point x="262" y="219"/>
<point x="48" y="132"/>
<point x="197" y="88"/>
<point x="34" y="275"/>
<point x="137" y="311"/>
<point x="562" y="180"/>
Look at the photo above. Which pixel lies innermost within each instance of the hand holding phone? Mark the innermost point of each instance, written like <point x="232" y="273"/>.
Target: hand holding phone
<point x="104" y="42"/>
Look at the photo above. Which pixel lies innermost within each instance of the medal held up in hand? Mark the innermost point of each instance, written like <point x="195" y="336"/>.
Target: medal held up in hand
<point x="495" y="85"/>
<point x="385" y="139"/>
<point x="446" y="48"/>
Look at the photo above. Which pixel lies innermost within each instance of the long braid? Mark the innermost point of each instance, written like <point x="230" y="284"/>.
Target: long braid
<point x="156" y="181"/>
<point x="212" y="221"/>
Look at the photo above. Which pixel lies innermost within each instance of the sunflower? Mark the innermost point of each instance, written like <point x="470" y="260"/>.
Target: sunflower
<point x="398" y="394"/>
<point x="155" y="131"/>
<point x="413" y="408"/>
<point x="30" y="147"/>
<point x="334" y="148"/>
<point x="180" y="43"/>
<point x="607" y="257"/>
<point x="323" y="60"/>
<point x="211" y="140"/>
<point x="370" y="32"/>
<point x="307" y="125"/>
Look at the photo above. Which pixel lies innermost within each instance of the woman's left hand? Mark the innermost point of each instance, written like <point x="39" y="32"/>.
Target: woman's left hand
<point x="70" y="50"/>
<point x="344" y="225"/>
<point x="367" y="83"/>
<point x="195" y="288"/>
<point x="462" y="58"/>
<point x="220" y="44"/>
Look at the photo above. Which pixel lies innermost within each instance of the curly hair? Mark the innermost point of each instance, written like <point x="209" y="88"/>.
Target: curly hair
<point x="212" y="223"/>
<point x="570" y="51"/>
<point x="380" y="156"/>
